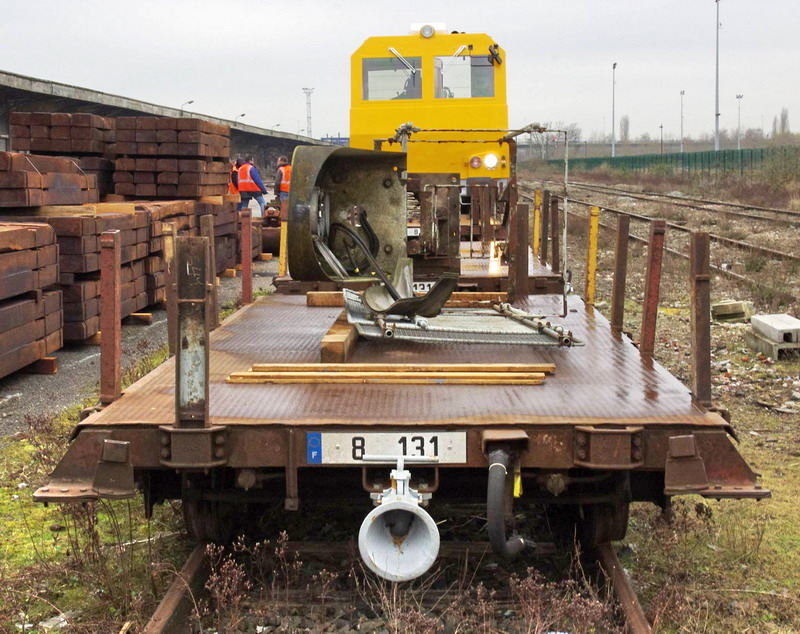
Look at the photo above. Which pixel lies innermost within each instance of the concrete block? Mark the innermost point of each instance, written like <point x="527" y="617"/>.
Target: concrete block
<point x="731" y="310"/>
<point x="779" y="328"/>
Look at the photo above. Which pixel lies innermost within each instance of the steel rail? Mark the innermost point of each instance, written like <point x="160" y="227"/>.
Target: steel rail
<point x="743" y="246"/>
<point x="175" y="610"/>
<point x="793" y="217"/>
<point x="634" y="238"/>
<point x="705" y="201"/>
<point x="636" y="621"/>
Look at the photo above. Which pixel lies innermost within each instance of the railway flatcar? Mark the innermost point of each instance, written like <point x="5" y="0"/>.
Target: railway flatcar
<point x="372" y="397"/>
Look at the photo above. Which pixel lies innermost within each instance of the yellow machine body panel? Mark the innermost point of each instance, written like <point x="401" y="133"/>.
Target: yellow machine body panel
<point x="452" y="81"/>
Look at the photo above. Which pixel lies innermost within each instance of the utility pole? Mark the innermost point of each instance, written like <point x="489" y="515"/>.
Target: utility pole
<point x="739" y="122"/>
<point x="661" y="128"/>
<point x="682" y="91"/>
<point x="308" y="92"/>
<point x="716" y="105"/>
<point x="613" y="105"/>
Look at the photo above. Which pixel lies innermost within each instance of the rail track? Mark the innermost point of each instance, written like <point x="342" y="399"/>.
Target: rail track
<point x="772" y="215"/>
<point x="177" y="609"/>
<point x="727" y="255"/>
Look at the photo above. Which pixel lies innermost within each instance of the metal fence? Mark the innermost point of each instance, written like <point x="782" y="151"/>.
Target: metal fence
<point x="692" y="162"/>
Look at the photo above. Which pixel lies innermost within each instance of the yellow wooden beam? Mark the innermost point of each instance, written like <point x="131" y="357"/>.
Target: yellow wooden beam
<point x="543" y="368"/>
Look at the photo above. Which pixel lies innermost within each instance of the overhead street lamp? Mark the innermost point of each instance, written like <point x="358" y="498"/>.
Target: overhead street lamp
<point x="186" y="103"/>
<point x="739" y="122"/>
<point x="682" y="92"/>
<point x="716" y="103"/>
<point x="613" y="114"/>
<point x="239" y="116"/>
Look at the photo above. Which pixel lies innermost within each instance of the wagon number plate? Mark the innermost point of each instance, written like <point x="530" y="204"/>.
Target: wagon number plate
<point x="422" y="287"/>
<point x="336" y="448"/>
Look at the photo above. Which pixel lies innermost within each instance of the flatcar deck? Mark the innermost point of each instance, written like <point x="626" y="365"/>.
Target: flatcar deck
<point x="606" y="380"/>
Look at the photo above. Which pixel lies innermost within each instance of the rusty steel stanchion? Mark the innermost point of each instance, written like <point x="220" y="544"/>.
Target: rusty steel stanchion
<point x="545" y="228"/>
<point x="591" y="254"/>
<point x="207" y="231"/>
<point x="701" y="317"/>
<point x="518" y="253"/>
<point x="655" y="255"/>
<point x="191" y="359"/>
<point x="169" y="232"/>
<point x="247" y="257"/>
<point x="620" y="273"/>
<point x="110" y="317"/>
<point x="555" y="233"/>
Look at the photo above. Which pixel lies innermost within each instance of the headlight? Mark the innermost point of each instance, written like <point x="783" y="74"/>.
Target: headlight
<point x="490" y="161"/>
<point x="475" y="162"/>
<point x="427" y="31"/>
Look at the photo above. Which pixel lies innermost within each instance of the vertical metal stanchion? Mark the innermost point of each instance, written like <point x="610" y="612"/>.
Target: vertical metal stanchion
<point x="555" y="232"/>
<point x="207" y="231"/>
<point x="655" y="255"/>
<point x="620" y="274"/>
<point x="518" y="253"/>
<point x="169" y="232"/>
<point x="591" y="255"/>
<point x="545" y="228"/>
<point x="537" y="220"/>
<point x="701" y="317"/>
<point x="191" y="359"/>
<point x="247" y="257"/>
<point x="110" y="317"/>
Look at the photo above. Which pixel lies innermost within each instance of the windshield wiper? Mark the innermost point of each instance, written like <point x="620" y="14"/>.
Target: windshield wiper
<point x="407" y="64"/>
<point x="456" y="54"/>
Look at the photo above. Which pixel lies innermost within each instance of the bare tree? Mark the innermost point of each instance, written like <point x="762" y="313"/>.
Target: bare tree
<point x="784" y="123"/>
<point x="624" y="129"/>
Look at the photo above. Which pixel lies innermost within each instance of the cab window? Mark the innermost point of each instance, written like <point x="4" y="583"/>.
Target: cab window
<point x="463" y="77"/>
<point x="389" y="78"/>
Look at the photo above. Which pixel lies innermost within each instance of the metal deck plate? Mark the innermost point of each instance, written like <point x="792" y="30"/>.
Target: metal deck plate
<point x="604" y="380"/>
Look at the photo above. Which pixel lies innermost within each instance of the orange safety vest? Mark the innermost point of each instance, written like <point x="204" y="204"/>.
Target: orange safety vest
<point x="231" y="187"/>
<point x="286" y="177"/>
<point x="246" y="182"/>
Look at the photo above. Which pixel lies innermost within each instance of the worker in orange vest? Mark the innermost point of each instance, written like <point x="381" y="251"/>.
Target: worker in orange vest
<point x="233" y="177"/>
<point x="250" y="185"/>
<point x="283" y="178"/>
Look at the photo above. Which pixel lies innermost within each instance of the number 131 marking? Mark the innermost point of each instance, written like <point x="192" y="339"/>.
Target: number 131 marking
<point x="418" y="445"/>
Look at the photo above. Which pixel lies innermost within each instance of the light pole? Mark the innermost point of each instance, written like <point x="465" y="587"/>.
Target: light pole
<point x="308" y="92"/>
<point x="682" y="92"/>
<point x="613" y="106"/>
<point x="186" y="103"/>
<point x="239" y="116"/>
<point x="739" y="122"/>
<point x="716" y="103"/>
<point x="661" y="128"/>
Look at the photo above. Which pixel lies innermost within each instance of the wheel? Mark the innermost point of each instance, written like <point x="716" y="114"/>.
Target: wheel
<point x="603" y="523"/>
<point x="205" y="520"/>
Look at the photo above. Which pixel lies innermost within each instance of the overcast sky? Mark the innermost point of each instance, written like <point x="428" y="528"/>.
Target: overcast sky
<point x="255" y="56"/>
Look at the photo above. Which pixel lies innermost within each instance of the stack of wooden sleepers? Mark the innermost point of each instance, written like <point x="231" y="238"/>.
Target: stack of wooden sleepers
<point x="78" y="230"/>
<point x="88" y="138"/>
<point x="31" y="180"/>
<point x="166" y="157"/>
<point x="62" y="133"/>
<point x="30" y="305"/>
<point x="225" y="232"/>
